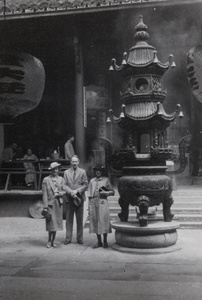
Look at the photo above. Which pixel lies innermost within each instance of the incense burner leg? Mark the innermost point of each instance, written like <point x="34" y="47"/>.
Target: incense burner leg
<point x="168" y="216"/>
<point x="124" y="204"/>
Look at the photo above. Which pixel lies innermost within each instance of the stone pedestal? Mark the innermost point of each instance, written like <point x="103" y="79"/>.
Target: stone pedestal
<point x="149" y="187"/>
<point x="157" y="235"/>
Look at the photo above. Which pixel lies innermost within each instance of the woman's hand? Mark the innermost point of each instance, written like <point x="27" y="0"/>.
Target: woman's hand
<point x="103" y="193"/>
<point x="106" y="193"/>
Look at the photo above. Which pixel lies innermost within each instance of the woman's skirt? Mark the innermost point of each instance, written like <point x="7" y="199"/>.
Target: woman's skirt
<point x="99" y="216"/>
<point x="56" y="221"/>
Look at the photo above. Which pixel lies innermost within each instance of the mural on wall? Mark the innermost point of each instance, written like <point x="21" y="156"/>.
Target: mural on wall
<point x="22" y="81"/>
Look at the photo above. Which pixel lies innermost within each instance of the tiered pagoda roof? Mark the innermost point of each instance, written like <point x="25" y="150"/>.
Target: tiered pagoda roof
<point x="143" y="92"/>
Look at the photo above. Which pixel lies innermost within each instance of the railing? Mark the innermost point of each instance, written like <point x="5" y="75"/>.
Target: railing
<point x="43" y="165"/>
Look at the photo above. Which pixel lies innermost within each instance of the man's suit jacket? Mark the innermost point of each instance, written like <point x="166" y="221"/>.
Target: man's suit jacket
<point x="48" y="190"/>
<point x="80" y="183"/>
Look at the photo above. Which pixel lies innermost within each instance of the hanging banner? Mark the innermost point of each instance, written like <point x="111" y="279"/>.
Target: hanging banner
<point x="194" y="71"/>
<point x="22" y="81"/>
<point x="102" y="125"/>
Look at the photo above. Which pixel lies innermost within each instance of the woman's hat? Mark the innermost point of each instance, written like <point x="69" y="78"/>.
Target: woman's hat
<point x="14" y="146"/>
<point x="99" y="167"/>
<point x="54" y="165"/>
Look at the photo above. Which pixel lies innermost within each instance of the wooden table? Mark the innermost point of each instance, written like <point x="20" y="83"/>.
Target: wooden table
<point x="16" y="167"/>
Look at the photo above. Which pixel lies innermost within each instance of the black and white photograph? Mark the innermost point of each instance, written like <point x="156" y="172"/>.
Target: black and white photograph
<point x="100" y="149"/>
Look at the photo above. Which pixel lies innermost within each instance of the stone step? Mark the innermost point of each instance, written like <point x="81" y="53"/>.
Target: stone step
<point x="191" y="225"/>
<point x="180" y="191"/>
<point x="115" y="205"/>
<point x="187" y="203"/>
<point x="196" y="191"/>
<point x="189" y="217"/>
<point x="182" y="210"/>
<point x="178" y="210"/>
<point x="196" y="180"/>
<point x="183" y="225"/>
<point x="177" y="198"/>
<point x="190" y="198"/>
<point x="179" y="217"/>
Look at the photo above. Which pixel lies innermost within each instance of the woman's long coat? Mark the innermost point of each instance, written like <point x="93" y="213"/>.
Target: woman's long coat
<point x="55" y="204"/>
<point x="99" y="216"/>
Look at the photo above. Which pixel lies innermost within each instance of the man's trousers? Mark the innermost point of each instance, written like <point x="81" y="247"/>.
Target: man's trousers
<point x="70" y="210"/>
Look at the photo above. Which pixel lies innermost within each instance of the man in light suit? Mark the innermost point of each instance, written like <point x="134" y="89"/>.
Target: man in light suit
<point x="76" y="184"/>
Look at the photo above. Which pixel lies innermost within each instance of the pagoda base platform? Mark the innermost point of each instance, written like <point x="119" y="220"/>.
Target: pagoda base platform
<point x="157" y="234"/>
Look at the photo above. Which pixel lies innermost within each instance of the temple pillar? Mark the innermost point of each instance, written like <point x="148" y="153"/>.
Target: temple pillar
<point x="1" y="140"/>
<point x="80" y="148"/>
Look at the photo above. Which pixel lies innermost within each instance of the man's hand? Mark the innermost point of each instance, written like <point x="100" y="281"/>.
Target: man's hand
<point x="58" y="194"/>
<point x="74" y="193"/>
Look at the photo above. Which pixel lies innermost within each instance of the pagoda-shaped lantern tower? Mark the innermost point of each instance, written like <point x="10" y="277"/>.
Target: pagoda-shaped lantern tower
<point x="142" y="101"/>
<point x="145" y="149"/>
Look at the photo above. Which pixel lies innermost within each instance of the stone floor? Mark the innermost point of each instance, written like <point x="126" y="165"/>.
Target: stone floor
<point x="30" y="271"/>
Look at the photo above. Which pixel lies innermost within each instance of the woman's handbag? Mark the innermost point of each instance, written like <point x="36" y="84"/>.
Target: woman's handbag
<point x="47" y="215"/>
<point x="103" y="189"/>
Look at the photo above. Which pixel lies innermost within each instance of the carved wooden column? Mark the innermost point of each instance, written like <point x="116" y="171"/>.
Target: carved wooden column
<point x="1" y="140"/>
<point x="79" y="109"/>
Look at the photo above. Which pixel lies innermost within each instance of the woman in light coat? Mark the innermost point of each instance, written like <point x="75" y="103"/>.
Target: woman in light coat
<point x="53" y="189"/>
<point x="99" y="189"/>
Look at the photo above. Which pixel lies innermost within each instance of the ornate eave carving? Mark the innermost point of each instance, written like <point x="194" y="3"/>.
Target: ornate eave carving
<point x="32" y="8"/>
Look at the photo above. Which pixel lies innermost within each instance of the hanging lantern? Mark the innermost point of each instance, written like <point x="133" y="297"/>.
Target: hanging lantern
<point x="22" y="80"/>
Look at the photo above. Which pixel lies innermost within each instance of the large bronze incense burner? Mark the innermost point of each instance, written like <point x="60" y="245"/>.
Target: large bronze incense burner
<point x="141" y="162"/>
<point x="145" y="191"/>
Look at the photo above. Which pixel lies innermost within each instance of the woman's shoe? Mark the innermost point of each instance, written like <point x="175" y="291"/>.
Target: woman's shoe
<point x="54" y="245"/>
<point x="105" y="245"/>
<point x="48" y="245"/>
<point x="97" y="245"/>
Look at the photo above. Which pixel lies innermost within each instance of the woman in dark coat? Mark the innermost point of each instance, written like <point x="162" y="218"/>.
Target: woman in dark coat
<point x="53" y="189"/>
<point x="99" y="189"/>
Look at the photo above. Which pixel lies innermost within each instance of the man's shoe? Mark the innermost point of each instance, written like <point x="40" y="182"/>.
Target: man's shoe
<point x="66" y="242"/>
<point x="80" y="242"/>
<point x="54" y="245"/>
<point x="97" y="245"/>
<point x="48" y="245"/>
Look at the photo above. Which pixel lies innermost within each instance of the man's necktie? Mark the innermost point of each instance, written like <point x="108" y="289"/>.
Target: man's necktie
<point x="74" y="176"/>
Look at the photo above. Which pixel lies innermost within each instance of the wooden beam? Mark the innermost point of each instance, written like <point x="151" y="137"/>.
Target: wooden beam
<point x="102" y="8"/>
